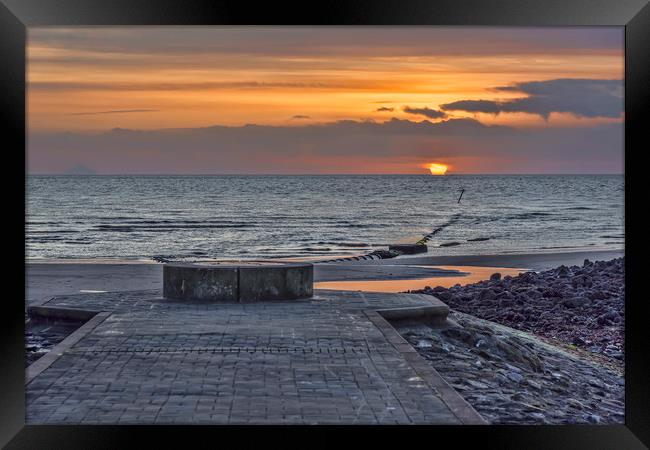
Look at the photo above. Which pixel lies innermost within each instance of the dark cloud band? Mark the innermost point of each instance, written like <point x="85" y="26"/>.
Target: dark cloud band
<point x="346" y="145"/>
<point x="426" y="112"/>
<point x="580" y="97"/>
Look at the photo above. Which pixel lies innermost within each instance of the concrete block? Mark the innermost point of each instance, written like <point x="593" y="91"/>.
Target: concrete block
<point x="275" y="282"/>
<point x="245" y="282"/>
<point x="201" y="282"/>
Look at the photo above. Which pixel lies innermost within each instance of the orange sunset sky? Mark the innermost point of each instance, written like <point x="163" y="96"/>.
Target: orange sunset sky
<point x="324" y="100"/>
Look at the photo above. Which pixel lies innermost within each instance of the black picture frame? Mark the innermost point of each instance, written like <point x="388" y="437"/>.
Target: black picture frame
<point x="634" y="15"/>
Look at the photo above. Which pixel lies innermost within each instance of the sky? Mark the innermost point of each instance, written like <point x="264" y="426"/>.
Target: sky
<point x="228" y="100"/>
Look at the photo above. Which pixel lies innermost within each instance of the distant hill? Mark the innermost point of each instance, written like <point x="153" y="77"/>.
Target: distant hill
<point x="80" y="169"/>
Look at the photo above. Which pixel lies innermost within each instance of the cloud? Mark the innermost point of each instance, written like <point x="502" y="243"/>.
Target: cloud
<point x="51" y="86"/>
<point x="426" y="112"/>
<point x="115" y="111"/>
<point x="484" y="106"/>
<point x="580" y="97"/>
<point x="111" y="44"/>
<point x="300" y="116"/>
<point x="346" y="146"/>
<point x="384" y="109"/>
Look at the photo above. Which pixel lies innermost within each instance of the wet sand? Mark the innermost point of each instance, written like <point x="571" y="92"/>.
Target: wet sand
<point x="531" y="261"/>
<point x="45" y="279"/>
<point x="457" y="275"/>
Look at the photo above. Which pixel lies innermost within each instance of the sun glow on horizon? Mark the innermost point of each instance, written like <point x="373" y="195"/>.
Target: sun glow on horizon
<point x="332" y="100"/>
<point x="438" y="168"/>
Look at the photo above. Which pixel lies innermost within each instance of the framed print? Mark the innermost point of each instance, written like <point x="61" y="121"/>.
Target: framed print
<point x="362" y="215"/>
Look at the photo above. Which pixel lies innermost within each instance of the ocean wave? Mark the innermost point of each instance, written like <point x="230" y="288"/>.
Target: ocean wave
<point x="530" y="215"/>
<point x="561" y="246"/>
<point x="344" y="244"/>
<point x="51" y="231"/>
<point x="43" y="238"/>
<point x="231" y="217"/>
<point x="130" y="228"/>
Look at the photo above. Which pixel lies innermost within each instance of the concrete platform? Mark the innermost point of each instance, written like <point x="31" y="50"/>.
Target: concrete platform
<point x="238" y="282"/>
<point x="330" y="359"/>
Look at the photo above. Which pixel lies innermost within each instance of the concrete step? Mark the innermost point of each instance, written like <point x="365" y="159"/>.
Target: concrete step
<point x="436" y="312"/>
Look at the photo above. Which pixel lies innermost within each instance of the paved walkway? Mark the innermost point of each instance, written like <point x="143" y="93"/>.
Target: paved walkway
<point x="330" y="359"/>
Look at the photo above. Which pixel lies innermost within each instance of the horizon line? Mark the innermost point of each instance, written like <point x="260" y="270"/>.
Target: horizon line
<point x="310" y="174"/>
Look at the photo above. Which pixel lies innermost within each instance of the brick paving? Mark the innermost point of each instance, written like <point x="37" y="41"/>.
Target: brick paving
<point x="316" y="361"/>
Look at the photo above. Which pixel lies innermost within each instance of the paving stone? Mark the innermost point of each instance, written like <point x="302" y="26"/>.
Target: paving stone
<point x="153" y="360"/>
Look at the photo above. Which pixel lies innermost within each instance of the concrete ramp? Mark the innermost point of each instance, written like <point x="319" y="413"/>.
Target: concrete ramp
<point x="330" y="359"/>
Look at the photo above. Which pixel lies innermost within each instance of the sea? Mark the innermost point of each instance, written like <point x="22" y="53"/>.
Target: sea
<point x="317" y="216"/>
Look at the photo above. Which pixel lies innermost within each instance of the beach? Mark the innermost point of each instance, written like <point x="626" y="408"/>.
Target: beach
<point x="510" y="367"/>
<point x="45" y="279"/>
<point x="48" y="279"/>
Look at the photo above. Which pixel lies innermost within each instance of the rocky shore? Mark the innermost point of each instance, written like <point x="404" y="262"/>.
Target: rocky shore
<point x="511" y="377"/>
<point x="582" y="306"/>
<point x="42" y="336"/>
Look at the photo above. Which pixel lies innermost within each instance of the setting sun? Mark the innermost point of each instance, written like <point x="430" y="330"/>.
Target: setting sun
<point x="437" y="169"/>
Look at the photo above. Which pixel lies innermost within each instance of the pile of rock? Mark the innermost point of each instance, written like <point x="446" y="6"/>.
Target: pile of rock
<point x="510" y="377"/>
<point x="579" y="305"/>
<point x="42" y="336"/>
